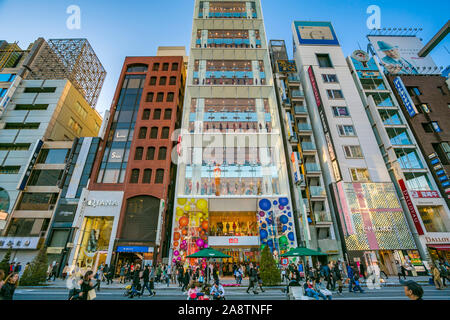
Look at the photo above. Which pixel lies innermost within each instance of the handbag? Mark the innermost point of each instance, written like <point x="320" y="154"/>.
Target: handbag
<point x="91" y="294"/>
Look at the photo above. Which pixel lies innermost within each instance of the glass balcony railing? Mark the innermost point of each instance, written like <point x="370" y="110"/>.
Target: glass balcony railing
<point x="297" y="94"/>
<point x="322" y="216"/>
<point x="304" y="127"/>
<point x="312" y="167"/>
<point x="306" y="202"/>
<point x="308" y="146"/>
<point x="293" y="79"/>
<point x="287" y="101"/>
<point x="317" y="191"/>
<point x="300" y="110"/>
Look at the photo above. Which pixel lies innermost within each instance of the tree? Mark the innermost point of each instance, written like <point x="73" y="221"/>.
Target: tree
<point x="4" y="264"/>
<point x="270" y="274"/>
<point x="36" y="273"/>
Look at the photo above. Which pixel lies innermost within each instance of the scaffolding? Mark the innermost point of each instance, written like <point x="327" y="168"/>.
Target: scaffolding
<point x="72" y="59"/>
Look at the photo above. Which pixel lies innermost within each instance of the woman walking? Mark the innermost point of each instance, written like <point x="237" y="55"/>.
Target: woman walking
<point x="9" y="286"/>
<point x="87" y="286"/>
<point x="437" y="278"/>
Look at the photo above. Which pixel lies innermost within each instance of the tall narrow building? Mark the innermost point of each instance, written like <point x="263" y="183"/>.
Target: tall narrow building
<point x="309" y="195"/>
<point x="232" y="188"/>
<point x="373" y="226"/>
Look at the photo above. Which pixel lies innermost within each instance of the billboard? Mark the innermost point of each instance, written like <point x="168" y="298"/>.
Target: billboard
<point x="399" y="55"/>
<point x="315" y="33"/>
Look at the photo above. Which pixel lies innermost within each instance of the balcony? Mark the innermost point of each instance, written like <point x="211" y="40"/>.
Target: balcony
<point x="300" y="110"/>
<point x="287" y="102"/>
<point x="304" y="127"/>
<point x="293" y="79"/>
<point x="312" y="167"/>
<point x="317" y="191"/>
<point x="308" y="146"/>
<point x="293" y="138"/>
<point x="322" y="217"/>
<point x="296" y="94"/>
<point x="306" y="202"/>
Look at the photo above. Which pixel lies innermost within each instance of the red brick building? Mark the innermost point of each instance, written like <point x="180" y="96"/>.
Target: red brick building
<point x="135" y="155"/>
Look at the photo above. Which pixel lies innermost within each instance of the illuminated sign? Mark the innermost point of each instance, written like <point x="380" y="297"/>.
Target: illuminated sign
<point x="425" y="194"/>
<point x="233" y="241"/>
<point x="406" y="98"/>
<point x="411" y="208"/>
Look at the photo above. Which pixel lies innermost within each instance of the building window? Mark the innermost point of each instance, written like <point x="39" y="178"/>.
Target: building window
<point x="31" y="107"/>
<point x="162" y="81"/>
<point x="417" y="181"/>
<point x="167" y="114"/>
<point x="137" y="68"/>
<point x="165" y="67"/>
<point x="427" y="127"/>
<point x="324" y="60"/>
<point x="40" y="90"/>
<point x="146" y="114"/>
<point x="175" y="66"/>
<point x="165" y="133"/>
<point x="432" y="218"/>
<point x="170" y="97"/>
<point x="341" y="112"/>
<point x="398" y="136"/>
<point x="162" y="153"/>
<point x="408" y="158"/>
<point x="157" y="114"/>
<point x="441" y="89"/>
<point x="346" y="131"/>
<point x="353" y="152"/>
<point x="160" y="97"/>
<point x="38" y="201"/>
<point x="153" y="81"/>
<point x="138" y="154"/>
<point x="329" y="78"/>
<point x="335" y="94"/>
<point x="147" y="177"/>
<point x="436" y="126"/>
<point x="390" y="117"/>
<point x="41" y="178"/>
<point x="156" y="67"/>
<point x="80" y="110"/>
<point x="75" y="126"/>
<point x="150" y="153"/>
<point x="134" y="176"/>
<point x="173" y="81"/>
<point x="159" y="178"/>
<point x="150" y="97"/>
<point x="53" y="156"/>
<point x="14" y="146"/>
<point x="142" y="133"/>
<point x="360" y="174"/>
<point x="414" y="91"/>
<point x="443" y="151"/>
<point x="154" y="133"/>
<point x="9" y="169"/>
<point x="21" y="126"/>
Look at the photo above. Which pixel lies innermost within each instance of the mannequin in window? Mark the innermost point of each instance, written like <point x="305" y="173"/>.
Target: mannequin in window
<point x="228" y="227"/>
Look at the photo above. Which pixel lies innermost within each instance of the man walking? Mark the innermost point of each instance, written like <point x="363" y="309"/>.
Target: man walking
<point x="146" y="278"/>
<point x="253" y="278"/>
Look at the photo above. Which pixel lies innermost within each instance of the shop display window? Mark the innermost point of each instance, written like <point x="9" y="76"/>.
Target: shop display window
<point x="239" y="224"/>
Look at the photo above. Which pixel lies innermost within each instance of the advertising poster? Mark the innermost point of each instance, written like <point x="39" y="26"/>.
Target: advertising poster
<point x="399" y="55"/>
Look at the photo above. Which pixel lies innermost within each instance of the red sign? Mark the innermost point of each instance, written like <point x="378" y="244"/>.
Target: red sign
<point x="314" y="87"/>
<point x="233" y="240"/>
<point x="411" y="208"/>
<point x="284" y="261"/>
<point x="425" y="194"/>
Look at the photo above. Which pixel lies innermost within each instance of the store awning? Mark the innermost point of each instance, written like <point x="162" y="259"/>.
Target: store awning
<point x="444" y="247"/>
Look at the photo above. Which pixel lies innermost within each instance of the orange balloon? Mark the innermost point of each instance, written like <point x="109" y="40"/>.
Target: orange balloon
<point x="184" y="232"/>
<point x="183" y="221"/>
<point x="205" y="225"/>
<point x="176" y="236"/>
<point x="175" y="244"/>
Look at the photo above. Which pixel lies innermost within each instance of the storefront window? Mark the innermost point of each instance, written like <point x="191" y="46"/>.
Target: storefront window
<point x="432" y="219"/>
<point x="93" y="246"/>
<point x="241" y="224"/>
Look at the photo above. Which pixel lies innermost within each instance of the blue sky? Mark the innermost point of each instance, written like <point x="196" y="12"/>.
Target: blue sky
<point x="117" y="29"/>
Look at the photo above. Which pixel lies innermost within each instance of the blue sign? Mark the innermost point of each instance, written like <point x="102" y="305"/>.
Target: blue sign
<point x="133" y="249"/>
<point x="406" y="98"/>
<point x="315" y="33"/>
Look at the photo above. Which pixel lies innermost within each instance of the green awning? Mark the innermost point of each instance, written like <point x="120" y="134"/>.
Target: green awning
<point x="302" y="252"/>
<point x="209" y="253"/>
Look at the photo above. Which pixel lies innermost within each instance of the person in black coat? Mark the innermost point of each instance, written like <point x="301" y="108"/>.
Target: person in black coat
<point x="8" y="288"/>
<point x="146" y="278"/>
<point x="136" y="282"/>
<point x="186" y="279"/>
<point x="86" y="285"/>
<point x="253" y="279"/>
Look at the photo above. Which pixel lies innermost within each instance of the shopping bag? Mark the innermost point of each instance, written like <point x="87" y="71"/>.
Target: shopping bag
<point x="91" y="294"/>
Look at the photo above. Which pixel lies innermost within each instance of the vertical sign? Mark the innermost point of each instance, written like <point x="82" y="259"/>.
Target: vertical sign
<point x="160" y="222"/>
<point x="411" y="208"/>
<point x="406" y="98"/>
